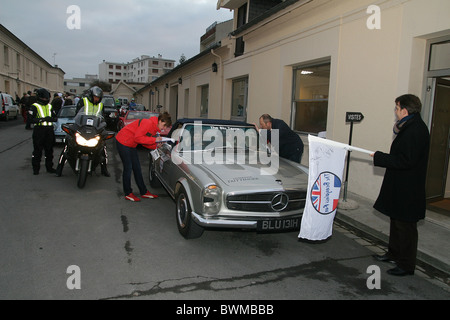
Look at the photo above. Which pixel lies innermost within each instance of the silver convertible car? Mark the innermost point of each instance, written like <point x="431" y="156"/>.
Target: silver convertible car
<point x="223" y="175"/>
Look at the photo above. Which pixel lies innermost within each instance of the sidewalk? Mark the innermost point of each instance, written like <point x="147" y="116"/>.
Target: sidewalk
<point x="434" y="231"/>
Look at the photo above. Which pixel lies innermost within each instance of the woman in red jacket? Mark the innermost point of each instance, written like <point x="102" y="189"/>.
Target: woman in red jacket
<point x="146" y="133"/>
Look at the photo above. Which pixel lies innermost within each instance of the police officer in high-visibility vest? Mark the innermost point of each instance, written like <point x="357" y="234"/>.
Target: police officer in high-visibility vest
<point x="92" y="104"/>
<point x="42" y="116"/>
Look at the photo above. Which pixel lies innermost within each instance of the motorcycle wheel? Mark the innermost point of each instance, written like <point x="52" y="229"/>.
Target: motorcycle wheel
<point x="82" y="174"/>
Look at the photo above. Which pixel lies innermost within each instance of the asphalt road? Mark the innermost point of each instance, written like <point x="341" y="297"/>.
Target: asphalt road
<point x="61" y="242"/>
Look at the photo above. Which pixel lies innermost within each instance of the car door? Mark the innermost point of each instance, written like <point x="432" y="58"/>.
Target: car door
<point x="11" y="107"/>
<point x="166" y="166"/>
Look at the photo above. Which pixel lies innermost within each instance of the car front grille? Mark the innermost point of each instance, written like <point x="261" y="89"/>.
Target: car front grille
<point x="278" y="201"/>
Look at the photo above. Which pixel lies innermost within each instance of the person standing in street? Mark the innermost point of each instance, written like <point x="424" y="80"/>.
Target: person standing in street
<point x="42" y="116"/>
<point x="28" y="104"/>
<point x="143" y="132"/>
<point x="291" y="146"/>
<point x="57" y="102"/>
<point x="402" y="194"/>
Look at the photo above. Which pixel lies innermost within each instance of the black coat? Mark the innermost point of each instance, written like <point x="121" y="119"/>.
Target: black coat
<point x="402" y="194"/>
<point x="289" y="141"/>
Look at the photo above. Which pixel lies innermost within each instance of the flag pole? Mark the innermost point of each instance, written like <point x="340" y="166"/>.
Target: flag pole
<point x="348" y="162"/>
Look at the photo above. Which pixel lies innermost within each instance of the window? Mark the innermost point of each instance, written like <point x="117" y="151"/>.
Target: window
<point x="204" y="101"/>
<point x="241" y="20"/>
<point x="6" y="55"/>
<point x="239" y="99"/>
<point x="310" y="98"/>
<point x="439" y="56"/>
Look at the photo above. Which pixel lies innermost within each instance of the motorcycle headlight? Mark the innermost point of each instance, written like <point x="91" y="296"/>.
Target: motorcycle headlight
<point x="211" y="199"/>
<point x="87" y="143"/>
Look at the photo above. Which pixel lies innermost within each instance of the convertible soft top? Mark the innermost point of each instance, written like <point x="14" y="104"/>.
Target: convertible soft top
<point x="181" y="122"/>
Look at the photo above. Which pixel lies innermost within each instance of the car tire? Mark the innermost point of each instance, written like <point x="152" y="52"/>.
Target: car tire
<point x="183" y="212"/>
<point x="152" y="178"/>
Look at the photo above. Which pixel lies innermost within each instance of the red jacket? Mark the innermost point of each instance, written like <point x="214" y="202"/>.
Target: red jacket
<point x="139" y="132"/>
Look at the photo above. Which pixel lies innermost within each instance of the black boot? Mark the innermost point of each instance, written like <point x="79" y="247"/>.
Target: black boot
<point x="59" y="170"/>
<point x="105" y="171"/>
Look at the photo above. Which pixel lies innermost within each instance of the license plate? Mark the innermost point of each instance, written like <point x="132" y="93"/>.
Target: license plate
<point x="282" y="224"/>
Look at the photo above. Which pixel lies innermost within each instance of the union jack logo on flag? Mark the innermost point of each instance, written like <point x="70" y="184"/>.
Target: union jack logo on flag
<point x="325" y="193"/>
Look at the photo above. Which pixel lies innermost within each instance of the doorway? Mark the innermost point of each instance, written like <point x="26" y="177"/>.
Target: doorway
<point x="437" y="110"/>
<point x="438" y="185"/>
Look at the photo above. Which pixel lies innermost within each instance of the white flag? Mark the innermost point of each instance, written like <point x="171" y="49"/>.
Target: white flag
<point x="326" y="166"/>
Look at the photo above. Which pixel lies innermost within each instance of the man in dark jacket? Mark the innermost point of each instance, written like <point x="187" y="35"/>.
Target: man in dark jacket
<point x="291" y="146"/>
<point x="31" y="99"/>
<point x="57" y="103"/>
<point x="402" y="194"/>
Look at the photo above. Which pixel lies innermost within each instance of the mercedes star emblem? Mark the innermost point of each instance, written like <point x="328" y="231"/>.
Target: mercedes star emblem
<point x="279" y="201"/>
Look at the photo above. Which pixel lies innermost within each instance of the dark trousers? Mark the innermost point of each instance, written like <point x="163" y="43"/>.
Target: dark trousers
<point x="43" y="140"/>
<point x="130" y="160"/>
<point x="402" y="247"/>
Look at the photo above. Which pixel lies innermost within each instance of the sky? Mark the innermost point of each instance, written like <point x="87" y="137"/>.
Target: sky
<point x="77" y="35"/>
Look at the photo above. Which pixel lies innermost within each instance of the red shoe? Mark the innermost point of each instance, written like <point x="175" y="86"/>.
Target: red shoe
<point x="149" y="195"/>
<point x="132" y="197"/>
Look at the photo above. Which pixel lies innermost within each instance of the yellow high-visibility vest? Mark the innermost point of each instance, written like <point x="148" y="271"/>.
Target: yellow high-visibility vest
<point x="43" y="112"/>
<point x="91" y="109"/>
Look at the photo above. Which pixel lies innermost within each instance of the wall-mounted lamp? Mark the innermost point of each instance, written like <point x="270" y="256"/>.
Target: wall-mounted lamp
<point x="214" y="67"/>
<point x="167" y="85"/>
<point x="180" y="81"/>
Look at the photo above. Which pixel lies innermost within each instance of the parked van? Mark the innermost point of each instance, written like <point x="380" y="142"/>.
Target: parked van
<point x="9" y="109"/>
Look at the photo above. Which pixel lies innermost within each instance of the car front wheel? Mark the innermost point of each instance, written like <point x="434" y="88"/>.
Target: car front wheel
<point x="186" y="226"/>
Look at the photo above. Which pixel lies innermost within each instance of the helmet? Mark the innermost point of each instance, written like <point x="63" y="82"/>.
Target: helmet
<point x="95" y="92"/>
<point x="42" y="96"/>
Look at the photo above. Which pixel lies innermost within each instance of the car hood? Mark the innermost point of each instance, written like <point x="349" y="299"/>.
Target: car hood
<point x="288" y="175"/>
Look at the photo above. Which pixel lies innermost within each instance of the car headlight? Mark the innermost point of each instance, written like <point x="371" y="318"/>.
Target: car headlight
<point x="87" y="143"/>
<point x="211" y="199"/>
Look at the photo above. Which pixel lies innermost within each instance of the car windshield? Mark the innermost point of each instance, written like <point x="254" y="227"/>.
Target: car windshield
<point x="108" y="102"/>
<point x="140" y="115"/>
<point x="67" y="112"/>
<point x="203" y="137"/>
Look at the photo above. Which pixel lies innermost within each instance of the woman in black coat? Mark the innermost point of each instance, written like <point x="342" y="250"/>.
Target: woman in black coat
<point x="402" y="194"/>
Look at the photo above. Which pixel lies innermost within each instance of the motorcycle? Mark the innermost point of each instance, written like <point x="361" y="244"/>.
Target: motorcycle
<point x="84" y="146"/>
